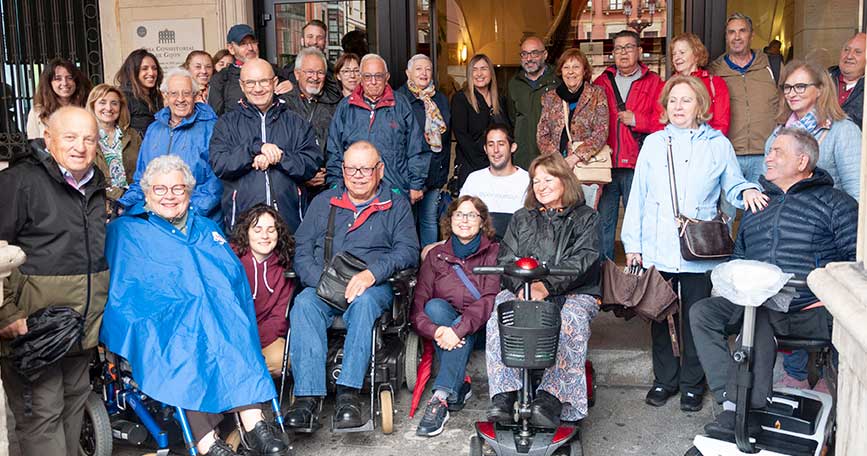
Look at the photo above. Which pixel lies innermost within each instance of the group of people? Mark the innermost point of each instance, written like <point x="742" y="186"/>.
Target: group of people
<point x="218" y="183"/>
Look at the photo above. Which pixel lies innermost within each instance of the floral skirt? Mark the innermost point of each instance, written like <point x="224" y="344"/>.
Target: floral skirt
<point x="566" y="378"/>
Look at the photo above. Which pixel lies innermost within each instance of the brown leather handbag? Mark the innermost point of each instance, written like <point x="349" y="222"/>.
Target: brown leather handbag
<point x="699" y="239"/>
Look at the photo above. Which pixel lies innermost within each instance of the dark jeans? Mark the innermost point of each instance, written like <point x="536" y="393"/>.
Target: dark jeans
<point x="52" y="426"/>
<point x="453" y="364"/>
<point x="683" y="373"/>
<point x="609" y="207"/>
<point x="714" y="319"/>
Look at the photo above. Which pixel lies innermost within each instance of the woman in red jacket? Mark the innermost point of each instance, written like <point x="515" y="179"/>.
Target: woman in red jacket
<point x="689" y="57"/>
<point x="265" y="245"/>
<point x="451" y="305"/>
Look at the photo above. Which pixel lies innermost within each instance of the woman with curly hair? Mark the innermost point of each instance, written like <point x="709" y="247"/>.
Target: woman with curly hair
<point x="265" y="245"/>
<point x="139" y="78"/>
<point x="61" y="84"/>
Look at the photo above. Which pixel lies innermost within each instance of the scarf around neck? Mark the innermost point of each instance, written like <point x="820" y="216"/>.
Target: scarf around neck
<point x="434" y="125"/>
<point x="462" y="250"/>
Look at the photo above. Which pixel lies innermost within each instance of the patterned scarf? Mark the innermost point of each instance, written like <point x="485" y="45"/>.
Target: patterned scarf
<point x="434" y="125"/>
<point x="808" y="122"/>
<point x="112" y="151"/>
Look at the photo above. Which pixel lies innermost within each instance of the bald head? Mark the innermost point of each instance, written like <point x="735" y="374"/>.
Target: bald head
<point x="362" y="171"/>
<point x="72" y="136"/>
<point x="258" y="82"/>
<point x="852" y="58"/>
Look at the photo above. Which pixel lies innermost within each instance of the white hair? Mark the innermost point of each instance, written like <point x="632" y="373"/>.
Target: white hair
<point x="165" y="164"/>
<point x="373" y="57"/>
<point x="178" y="72"/>
<point x="416" y="58"/>
<point x="310" y="52"/>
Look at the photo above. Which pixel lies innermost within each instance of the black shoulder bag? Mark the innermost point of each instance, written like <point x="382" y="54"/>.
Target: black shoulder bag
<point x="338" y="271"/>
<point x="699" y="239"/>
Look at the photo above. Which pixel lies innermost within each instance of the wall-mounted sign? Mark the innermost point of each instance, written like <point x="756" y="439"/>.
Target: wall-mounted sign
<point x="170" y="39"/>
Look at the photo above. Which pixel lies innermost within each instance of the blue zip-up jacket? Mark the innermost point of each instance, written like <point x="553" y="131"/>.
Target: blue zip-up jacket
<point x="438" y="171"/>
<point x="382" y="234"/>
<point x="704" y="165"/>
<point x="239" y="137"/>
<point x="807" y="227"/>
<point x="391" y="127"/>
<point x="188" y="140"/>
<point x="839" y="154"/>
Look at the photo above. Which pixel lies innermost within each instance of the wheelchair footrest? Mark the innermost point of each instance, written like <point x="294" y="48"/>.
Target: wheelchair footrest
<point x="366" y="427"/>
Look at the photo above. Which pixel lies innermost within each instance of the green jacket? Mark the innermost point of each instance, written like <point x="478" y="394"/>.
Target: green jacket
<point x="525" y="109"/>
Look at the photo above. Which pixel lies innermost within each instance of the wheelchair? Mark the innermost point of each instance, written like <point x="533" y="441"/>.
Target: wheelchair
<point x="394" y="359"/>
<point x="117" y="409"/>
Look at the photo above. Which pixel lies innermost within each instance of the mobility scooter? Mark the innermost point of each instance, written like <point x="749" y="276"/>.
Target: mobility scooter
<point x="529" y="338"/>
<point x="795" y="423"/>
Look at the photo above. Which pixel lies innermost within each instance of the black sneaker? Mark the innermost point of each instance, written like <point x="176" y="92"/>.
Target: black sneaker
<point x="658" y="396"/>
<point x="545" y="410"/>
<point x="264" y="440"/>
<point x="690" y="402"/>
<point x="434" y="420"/>
<point x="463" y="395"/>
<point x="220" y="448"/>
<point x="503" y="407"/>
<point x="724" y="426"/>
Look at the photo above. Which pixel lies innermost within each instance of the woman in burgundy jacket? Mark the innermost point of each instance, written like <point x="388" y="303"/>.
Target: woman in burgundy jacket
<point x="451" y="304"/>
<point x="265" y="245"/>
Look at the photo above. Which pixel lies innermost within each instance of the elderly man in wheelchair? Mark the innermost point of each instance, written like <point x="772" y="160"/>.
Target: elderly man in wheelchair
<point x="807" y="224"/>
<point x="180" y="312"/>
<point x="363" y="232"/>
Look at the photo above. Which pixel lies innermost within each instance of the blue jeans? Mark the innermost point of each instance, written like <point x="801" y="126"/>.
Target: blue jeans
<point x="752" y="166"/>
<point x="308" y="342"/>
<point x="453" y="364"/>
<point x="426" y="217"/>
<point x="795" y="364"/>
<point x="609" y="208"/>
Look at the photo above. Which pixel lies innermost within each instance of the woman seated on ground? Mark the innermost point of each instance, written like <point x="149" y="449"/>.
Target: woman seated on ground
<point x="180" y="311"/>
<point x="451" y="304"/>
<point x="265" y="246"/>
<point x="556" y="227"/>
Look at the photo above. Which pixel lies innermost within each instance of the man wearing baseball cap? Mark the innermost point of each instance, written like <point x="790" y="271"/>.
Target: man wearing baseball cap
<point x="225" y="90"/>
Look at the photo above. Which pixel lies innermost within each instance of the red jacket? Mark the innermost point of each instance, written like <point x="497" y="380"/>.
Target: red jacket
<point x="438" y="279"/>
<point x="271" y="294"/>
<point x="719" y="100"/>
<point x="643" y="101"/>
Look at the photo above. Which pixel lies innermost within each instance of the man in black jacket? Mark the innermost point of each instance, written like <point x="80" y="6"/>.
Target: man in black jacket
<point x="807" y="224"/>
<point x="263" y="152"/>
<point x="53" y="207"/>
<point x="225" y="91"/>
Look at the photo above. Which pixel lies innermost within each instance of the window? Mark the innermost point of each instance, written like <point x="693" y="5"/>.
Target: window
<point x="615" y="4"/>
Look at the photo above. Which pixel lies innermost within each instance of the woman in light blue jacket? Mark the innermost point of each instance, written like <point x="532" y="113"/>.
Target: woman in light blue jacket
<point x="704" y="165"/>
<point x="808" y="101"/>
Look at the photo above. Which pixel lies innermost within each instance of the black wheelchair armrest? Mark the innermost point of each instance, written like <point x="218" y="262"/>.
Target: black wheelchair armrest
<point x="290" y="274"/>
<point x="403" y="276"/>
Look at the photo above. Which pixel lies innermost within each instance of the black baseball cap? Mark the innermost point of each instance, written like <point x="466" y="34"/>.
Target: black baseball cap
<point x="238" y="32"/>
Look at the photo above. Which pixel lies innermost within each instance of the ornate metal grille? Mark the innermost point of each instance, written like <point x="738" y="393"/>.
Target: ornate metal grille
<point x="33" y="33"/>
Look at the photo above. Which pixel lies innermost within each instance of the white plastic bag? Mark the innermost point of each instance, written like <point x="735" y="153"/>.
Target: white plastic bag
<point x="751" y="283"/>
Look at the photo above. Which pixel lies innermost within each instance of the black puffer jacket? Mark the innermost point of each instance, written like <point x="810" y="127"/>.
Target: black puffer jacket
<point x="565" y="238"/>
<point x="805" y="228"/>
<point x="316" y="111"/>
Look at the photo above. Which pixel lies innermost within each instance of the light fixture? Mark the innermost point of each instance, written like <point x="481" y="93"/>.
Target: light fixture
<point x="462" y="53"/>
<point x="639" y="23"/>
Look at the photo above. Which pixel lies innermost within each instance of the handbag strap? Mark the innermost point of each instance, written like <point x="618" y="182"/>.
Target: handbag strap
<point x="466" y="280"/>
<point x="329" y="234"/>
<point x="566" y="116"/>
<point x="672" y="183"/>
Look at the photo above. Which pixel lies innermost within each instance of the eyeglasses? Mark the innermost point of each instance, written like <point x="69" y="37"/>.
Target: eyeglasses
<point x="624" y="49"/>
<point x="575" y="68"/>
<point x="350" y="71"/>
<point x="264" y="83"/>
<point x="534" y="54"/>
<point x="365" y="171"/>
<point x="161" y="190"/>
<point x="799" y="88"/>
<point x="367" y="77"/>
<point x="174" y="95"/>
<point x="313" y="73"/>
<point x="468" y="216"/>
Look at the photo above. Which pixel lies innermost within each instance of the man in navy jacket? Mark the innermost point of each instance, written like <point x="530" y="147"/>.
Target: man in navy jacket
<point x="374" y="223"/>
<point x="262" y="151"/>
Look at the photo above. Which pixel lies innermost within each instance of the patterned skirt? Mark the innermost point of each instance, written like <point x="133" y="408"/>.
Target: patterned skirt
<point x="566" y="379"/>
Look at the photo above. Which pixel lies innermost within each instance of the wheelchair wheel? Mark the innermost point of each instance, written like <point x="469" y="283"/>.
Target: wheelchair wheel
<point x="386" y="410"/>
<point x="692" y="452"/>
<point x="412" y="350"/>
<point x="95" y="437"/>
<point x="476" y="446"/>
